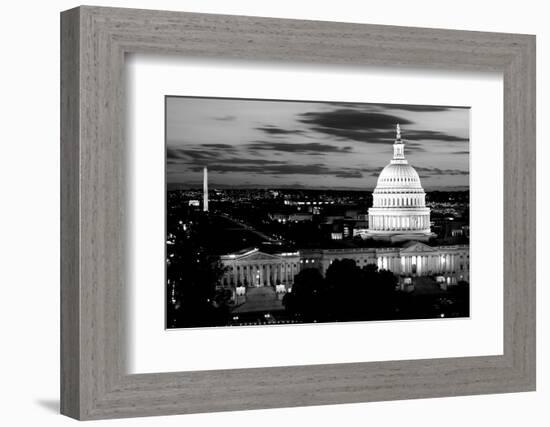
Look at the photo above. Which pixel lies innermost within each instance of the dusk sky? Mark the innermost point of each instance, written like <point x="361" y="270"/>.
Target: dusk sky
<point x="317" y="145"/>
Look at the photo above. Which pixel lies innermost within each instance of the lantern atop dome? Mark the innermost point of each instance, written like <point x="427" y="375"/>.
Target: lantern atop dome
<point x="398" y="147"/>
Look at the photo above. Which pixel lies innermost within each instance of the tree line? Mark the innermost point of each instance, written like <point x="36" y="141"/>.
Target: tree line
<point x="347" y="292"/>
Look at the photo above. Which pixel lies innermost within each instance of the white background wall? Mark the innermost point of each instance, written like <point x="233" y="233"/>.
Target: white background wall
<point x="29" y="212"/>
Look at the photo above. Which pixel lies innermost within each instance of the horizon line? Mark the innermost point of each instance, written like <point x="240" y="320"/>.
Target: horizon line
<point x="222" y="187"/>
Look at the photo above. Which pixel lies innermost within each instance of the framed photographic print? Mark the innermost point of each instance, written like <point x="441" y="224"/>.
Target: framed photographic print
<point x="263" y="213"/>
<point x="280" y="212"/>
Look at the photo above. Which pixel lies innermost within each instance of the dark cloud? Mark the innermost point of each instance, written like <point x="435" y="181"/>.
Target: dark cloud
<point x="385" y="107"/>
<point x="281" y="168"/>
<point x="345" y="118"/>
<point x="420" y="108"/>
<point x="372" y="127"/>
<point x="428" y="172"/>
<point x="369" y="136"/>
<point x="199" y="153"/>
<point x="224" y="147"/>
<point x="298" y="147"/>
<point x="431" y="135"/>
<point x="221" y="159"/>
<point x="274" y="130"/>
<point x="375" y="136"/>
<point x="267" y="167"/>
<point x="349" y="174"/>
<point x="177" y="154"/>
<point x="241" y="161"/>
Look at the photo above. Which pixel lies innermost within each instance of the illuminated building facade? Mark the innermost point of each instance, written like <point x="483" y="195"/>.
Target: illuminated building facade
<point x="452" y="262"/>
<point x="254" y="268"/>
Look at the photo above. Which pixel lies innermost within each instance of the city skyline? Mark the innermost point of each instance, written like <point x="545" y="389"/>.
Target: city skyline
<point x="310" y="145"/>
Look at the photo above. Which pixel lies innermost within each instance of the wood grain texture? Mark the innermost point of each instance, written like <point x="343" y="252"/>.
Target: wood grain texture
<point x="70" y="297"/>
<point x="94" y="381"/>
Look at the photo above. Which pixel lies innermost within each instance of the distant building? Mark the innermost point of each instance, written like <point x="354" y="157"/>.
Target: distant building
<point x="252" y="267"/>
<point x="300" y="217"/>
<point x="411" y="259"/>
<point x="399" y="209"/>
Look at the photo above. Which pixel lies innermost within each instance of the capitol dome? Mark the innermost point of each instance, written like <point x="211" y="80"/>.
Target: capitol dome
<point x="399" y="209"/>
<point x="398" y="174"/>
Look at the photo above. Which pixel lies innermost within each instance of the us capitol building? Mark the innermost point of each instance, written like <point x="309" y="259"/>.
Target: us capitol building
<point x="399" y="209"/>
<point x="399" y="216"/>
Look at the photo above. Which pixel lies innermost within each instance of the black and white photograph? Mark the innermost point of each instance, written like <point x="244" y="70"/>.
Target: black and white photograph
<point x="290" y="211"/>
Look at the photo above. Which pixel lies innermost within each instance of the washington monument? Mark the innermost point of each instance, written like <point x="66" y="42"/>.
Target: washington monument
<point x="205" y="190"/>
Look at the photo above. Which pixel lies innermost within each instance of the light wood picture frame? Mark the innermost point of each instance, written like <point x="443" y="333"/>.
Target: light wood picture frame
<point x="94" y="42"/>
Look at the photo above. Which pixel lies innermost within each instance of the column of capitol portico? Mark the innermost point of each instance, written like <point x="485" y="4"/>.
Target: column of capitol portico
<point x="454" y="262"/>
<point x="288" y="272"/>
